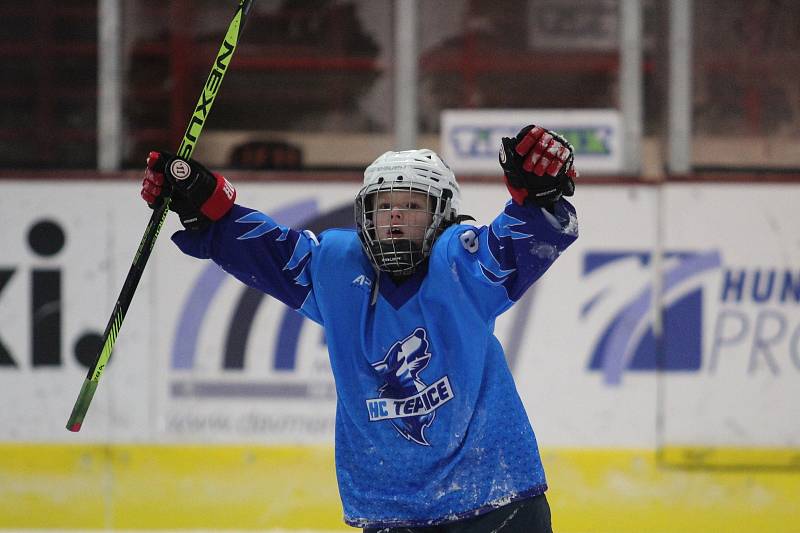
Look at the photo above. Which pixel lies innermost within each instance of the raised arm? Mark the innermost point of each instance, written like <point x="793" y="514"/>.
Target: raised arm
<point x="246" y="243"/>
<point x="534" y="228"/>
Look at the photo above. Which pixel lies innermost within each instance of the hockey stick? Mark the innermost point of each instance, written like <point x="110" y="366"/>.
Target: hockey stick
<point x="185" y="150"/>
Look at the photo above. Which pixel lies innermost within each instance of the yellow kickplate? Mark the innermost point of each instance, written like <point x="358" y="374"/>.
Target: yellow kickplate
<point x="215" y="488"/>
<point x="730" y="458"/>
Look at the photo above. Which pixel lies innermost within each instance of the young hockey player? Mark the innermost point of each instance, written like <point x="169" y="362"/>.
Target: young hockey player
<point x="431" y="434"/>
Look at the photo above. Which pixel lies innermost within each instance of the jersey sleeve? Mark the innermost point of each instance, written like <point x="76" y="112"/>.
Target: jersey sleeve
<point x="260" y="253"/>
<point x="506" y="257"/>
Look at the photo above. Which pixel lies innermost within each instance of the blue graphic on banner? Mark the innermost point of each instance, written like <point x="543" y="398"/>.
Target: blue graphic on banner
<point x="628" y="342"/>
<point x="285" y="353"/>
<point x="198" y="303"/>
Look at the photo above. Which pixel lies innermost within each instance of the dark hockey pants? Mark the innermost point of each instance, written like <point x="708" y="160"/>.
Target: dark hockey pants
<point x="531" y="515"/>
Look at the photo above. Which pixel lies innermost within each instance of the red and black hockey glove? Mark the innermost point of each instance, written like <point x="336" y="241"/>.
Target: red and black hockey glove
<point x="538" y="166"/>
<point x="198" y="195"/>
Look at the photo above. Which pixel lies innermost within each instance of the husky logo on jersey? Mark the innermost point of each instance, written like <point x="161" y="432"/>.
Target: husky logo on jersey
<point x="405" y="399"/>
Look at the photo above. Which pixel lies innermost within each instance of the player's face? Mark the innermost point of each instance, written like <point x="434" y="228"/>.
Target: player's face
<point x="402" y="215"/>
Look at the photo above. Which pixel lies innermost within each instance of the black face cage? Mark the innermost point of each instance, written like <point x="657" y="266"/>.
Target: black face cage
<point x="401" y="255"/>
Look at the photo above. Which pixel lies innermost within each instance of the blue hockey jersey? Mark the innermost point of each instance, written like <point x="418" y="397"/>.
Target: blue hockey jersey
<point x="429" y="425"/>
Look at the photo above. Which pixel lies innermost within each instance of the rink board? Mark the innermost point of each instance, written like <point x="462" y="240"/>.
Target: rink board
<point x="216" y="411"/>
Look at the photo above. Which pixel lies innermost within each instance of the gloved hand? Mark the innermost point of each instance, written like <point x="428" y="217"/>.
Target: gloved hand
<point x="198" y="195"/>
<point x="538" y="166"/>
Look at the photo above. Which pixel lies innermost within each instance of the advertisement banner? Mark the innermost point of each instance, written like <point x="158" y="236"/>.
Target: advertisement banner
<point x="674" y="319"/>
<point x="470" y="138"/>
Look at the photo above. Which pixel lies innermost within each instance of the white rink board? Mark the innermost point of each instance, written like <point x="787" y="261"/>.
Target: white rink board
<point x="748" y="386"/>
<point x="578" y="342"/>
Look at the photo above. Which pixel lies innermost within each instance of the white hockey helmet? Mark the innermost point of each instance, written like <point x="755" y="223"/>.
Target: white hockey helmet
<point x="419" y="171"/>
